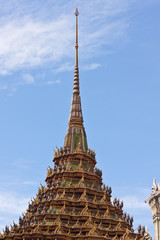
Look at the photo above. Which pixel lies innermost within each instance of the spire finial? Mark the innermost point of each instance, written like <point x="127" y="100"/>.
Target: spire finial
<point x="76" y="71"/>
<point x="76" y="45"/>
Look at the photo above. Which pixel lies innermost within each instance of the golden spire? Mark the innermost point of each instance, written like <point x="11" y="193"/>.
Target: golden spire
<point x="76" y="136"/>
<point x="76" y="45"/>
<point x="76" y="71"/>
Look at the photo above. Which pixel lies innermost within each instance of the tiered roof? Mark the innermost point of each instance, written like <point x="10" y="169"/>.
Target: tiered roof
<point x="75" y="204"/>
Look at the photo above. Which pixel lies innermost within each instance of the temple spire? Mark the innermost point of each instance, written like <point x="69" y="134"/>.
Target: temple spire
<point x="76" y="136"/>
<point x="76" y="71"/>
<point x="76" y="45"/>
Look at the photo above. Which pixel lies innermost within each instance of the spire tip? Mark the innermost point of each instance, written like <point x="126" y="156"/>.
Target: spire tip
<point x="76" y="12"/>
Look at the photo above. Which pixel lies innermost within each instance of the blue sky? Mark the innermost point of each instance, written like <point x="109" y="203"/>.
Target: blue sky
<point x="119" y="61"/>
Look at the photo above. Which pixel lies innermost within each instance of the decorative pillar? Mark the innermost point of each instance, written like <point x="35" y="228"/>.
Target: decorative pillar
<point x="154" y="203"/>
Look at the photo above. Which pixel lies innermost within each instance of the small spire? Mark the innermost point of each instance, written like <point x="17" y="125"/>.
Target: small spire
<point x="76" y="71"/>
<point x="76" y="111"/>
<point x="76" y="139"/>
<point x="76" y="45"/>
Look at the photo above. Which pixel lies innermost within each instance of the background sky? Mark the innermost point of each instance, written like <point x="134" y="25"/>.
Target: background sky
<point x="119" y="62"/>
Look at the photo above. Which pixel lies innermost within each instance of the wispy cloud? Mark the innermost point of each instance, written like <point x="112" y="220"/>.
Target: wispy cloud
<point x="34" y="35"/>
<point x="133" y="197"/>
<point x="10" y="203"/>
<point x="29" y="44"/>
<point x="29" y="183"/>
<point x="28" y="79"/>
<point x="35" y="39"/>
<point x="133" y="202"/>
<point x="54" y="82"/>
<point x="4" y="87"/>
<point x="11" y="207"/>
<point x="65" y="67"/>
<point x="91" y="66"/>
<point x="22" y="163"/>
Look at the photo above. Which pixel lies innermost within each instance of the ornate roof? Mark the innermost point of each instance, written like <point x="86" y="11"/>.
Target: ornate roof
<point x="74" y="204"/>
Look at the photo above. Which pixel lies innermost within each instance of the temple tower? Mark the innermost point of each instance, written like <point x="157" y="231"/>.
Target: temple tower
<point x="154" y="203"/>
<point x="75" y="204"/>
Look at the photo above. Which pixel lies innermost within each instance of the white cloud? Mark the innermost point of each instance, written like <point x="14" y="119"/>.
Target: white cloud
<point x="29" y="183"/>
<point x="54" y="82"/>
<point x="133" y="202"/>
<point x="65" y="67"/>
<point x="30" y="44"/>
<point x="92" y="66"/>
<point x="9" y="203"/>
<point x="11" y="207"/>
<point x="28" y="79"/>
<point x="33" y="34"/>
<point x="39" y="38"/>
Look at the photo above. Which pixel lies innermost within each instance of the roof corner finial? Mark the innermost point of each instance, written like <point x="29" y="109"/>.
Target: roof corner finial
<point x="154" y="187"/>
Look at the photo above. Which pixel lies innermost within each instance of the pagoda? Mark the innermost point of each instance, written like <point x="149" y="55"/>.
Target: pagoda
<point x="75" y="204"/>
